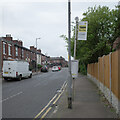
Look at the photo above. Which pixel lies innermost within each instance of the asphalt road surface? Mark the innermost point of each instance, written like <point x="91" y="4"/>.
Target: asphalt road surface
<point x="26" y="98"/>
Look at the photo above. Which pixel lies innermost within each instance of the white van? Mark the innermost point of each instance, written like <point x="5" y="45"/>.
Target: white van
<point x="16" y="69"/>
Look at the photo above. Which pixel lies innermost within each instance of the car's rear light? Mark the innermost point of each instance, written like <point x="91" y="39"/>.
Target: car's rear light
<point x="16" y="73"/>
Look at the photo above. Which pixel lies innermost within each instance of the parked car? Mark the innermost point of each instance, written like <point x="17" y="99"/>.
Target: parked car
<point x="16" y="69"/>
<point x="59" y="67"/>
<point x="44" y="68"/>
<point x="55" y="68"/>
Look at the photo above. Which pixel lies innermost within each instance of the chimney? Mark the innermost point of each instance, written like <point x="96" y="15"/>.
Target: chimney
<point x="8" y="37"/>
<point x="20" y="43"/>
<point x="39" y="50"/>
<point x="32" y="48"/>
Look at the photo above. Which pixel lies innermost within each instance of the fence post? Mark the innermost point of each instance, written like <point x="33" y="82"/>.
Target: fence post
<point x="119" y="82"/>
<point x="110" y="78"/>
<point x="103" y="74"/>
<point x="98" y="74"/>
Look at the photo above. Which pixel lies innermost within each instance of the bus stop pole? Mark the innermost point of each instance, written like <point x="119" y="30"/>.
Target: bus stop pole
<point x="69" y="58"/>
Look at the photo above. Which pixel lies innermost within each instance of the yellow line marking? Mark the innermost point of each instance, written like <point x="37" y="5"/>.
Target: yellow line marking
<point x="51" y="107"/>
<point x="63" y="86"/>
<point x="44" y="107"/>
<point x="53" y="103"/>
<point x="58" y="97"/>
<point x="46" y="113"/>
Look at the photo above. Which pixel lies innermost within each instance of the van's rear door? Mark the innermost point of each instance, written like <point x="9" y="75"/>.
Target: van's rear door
<point x="9" y="68"/>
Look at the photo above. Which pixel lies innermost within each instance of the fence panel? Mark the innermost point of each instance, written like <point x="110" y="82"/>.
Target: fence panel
<point x="119" y="74"/>
<point x="101" y="70"/>
<point x="103" y="67"/>
<point x="114" y="73"/>
<point x="96" y="70"/>
<point x="106" y="71"/>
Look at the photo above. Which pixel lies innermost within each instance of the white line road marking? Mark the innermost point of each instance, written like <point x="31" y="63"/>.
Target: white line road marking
<point x="11" y="96"/>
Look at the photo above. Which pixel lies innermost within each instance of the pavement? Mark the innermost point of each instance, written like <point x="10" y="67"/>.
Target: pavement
<point x="36" y="73"/>
<point x="88" y="102"/>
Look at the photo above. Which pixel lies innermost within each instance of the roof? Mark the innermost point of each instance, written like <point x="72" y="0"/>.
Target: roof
<point x="11" y="42"/>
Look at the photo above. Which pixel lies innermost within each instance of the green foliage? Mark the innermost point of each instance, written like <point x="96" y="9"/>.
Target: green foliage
<point x="102" y="23"/>
<point x="103" y="29"/>
<point x="82" y="68"/>
<point x="39" y="66"/>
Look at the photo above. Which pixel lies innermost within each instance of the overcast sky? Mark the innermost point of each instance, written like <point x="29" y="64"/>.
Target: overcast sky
<point x="28" y="20"/>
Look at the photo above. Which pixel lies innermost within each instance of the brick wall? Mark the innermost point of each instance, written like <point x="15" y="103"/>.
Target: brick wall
<point x="28" y="54"/>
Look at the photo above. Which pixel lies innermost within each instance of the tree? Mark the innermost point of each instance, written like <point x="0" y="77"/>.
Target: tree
<point x="103" y="29"/>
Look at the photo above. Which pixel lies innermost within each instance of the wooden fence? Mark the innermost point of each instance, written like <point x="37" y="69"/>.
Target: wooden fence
<point x="107" y="73"/>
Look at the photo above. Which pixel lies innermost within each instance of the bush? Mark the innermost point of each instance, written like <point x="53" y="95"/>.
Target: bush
<point x="39" y="66"/>
<point x="82" y="68"/>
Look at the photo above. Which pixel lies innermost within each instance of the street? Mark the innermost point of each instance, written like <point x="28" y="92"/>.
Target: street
<point x="26" y="98"/>
<point x="84" y="40"/>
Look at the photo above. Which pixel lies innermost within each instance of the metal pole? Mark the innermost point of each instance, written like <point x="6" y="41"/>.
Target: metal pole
<point x="75" y="44"/>
<point x="69" y="63"/>
<point x="76" y="28"/>
<point x="36" y="55"/>
<point x="75" y="41"/>
<point x="1" y="59"/>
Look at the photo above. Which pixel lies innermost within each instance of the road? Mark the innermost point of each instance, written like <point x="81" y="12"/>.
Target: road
<point x="26" y="98"/>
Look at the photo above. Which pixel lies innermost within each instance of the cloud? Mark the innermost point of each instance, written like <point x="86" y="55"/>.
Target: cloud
<point x="32" y="19"/>
<point x="29" y="21"/>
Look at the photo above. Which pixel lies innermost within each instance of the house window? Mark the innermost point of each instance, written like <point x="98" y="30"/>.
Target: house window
<point x="16" y="49"/>
<point x="9" y="49"/>
<point x="4" y="49"/>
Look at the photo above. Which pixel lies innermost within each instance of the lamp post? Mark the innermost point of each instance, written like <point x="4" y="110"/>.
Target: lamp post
<point x="76" y="28"/>
<point x="69" y="58"/>
<point x="36" y="54"/>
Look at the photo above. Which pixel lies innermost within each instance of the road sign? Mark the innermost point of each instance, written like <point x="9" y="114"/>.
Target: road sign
<point x="74" y="68"/>
<point x="82" y="30"/>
